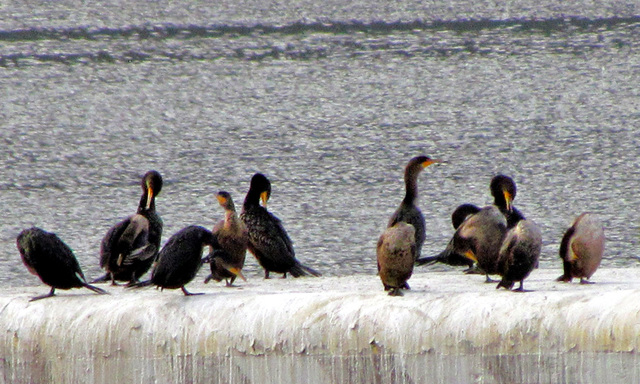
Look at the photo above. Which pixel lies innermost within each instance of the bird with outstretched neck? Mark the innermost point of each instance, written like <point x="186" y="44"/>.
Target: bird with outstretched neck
<point x="227" y="261"/>
<point x="48" y="257"/>
<point x="130" y="247"/>
<point x="268" y="240"/>
<point x="408" y="212"/>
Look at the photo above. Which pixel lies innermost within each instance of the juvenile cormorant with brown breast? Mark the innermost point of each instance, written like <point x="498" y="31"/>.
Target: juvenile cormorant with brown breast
<point x="408" y="212"/>
<point x="48" y="257"/>
<point x="227" y="260"/>
<point x="129" y="248"/>
<point x="180" y="259"/>
<point x="582" y="248"/>
<point x="396" y="254"/>
<point x="268" y="240"/>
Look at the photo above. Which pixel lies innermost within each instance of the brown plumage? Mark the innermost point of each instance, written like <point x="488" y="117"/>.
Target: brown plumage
<point x="396" y="252"/>
<point x="227" y="261"/>
<point x="519" y="253"/>
<point x="581" y="248"/>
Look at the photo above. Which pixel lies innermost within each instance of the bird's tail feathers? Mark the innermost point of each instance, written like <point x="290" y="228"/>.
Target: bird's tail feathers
<point x="302" y="270"/>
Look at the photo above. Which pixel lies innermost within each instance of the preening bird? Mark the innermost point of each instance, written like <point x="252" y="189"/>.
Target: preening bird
<point x="582" y="248"/>
<point x="129" y="248"/>
<point x="519" y="253"/>
<point x="48" y="257"/>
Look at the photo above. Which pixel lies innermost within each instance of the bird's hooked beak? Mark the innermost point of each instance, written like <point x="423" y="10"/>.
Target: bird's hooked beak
<point x="427" y="163"/>
<point x="508" y="198"/>
<point x="264" y="196"/>
<point x="149" y="195"/>
<point x="471" y="256"/>
<point x="237" y="272"/>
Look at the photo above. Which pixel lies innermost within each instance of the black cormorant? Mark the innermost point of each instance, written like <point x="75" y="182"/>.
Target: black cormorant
<point x="129" y="248"/>
<point x="582" y="248"/>
<point x="268" y="240"/>
<point x="503" y="190"/>
<point x="180" y="259"/>
<point x="228" y="260"/>
<point x="396" y="253"/>
<point x="408" y="212"/>
<point x="48" y="257"/>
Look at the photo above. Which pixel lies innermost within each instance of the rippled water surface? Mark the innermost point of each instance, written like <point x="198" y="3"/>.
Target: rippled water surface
<point x="329" y="100"/>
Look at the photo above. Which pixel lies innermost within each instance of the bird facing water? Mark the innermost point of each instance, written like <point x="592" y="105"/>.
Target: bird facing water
<point x="129" y="248"/>
<point x="396" y="253"/>
<point x="180" y="259"/>
<point x="268" y="240"/>
<point x="582" y="248"/>
<point x="48" y="257"/>
<point x="519" y="253"/>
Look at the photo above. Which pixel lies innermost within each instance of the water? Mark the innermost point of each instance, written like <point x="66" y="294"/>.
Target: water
<point x="330" y="100"/>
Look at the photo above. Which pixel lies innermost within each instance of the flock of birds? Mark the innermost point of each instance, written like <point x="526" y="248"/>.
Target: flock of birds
<point x="493" y="240"/>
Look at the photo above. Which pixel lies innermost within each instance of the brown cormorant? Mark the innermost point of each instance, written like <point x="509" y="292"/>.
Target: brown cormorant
<point x="396" y="252"/>
<point x="480" y="237"/>
<point x="227" y="261"/>
<point x="129" y="248"/>
<point x="408" y="212"/>
<point x="180" y="259"/>
<point x="48" y="257"/>
<point x="519" y="253"/>
<point x="268" y="240"/>
<point x="581" y="248"/>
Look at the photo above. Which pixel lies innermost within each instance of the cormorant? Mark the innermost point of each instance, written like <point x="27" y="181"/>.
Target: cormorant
<point x="47" y="256"/>
<point x="479" y="238"/>
<point x="129" y="248"/>
<point x="396" y="252"/>
<point x="448" y="256"/>
<point x="408" y="212"/>
<point x="581" y="248"/>
<point x="519" y="253"/>
<point x="227" y="261"/>
<point x="503" y="190"/>
<point x="268" y="240"/>
<point x="180" y="259"/>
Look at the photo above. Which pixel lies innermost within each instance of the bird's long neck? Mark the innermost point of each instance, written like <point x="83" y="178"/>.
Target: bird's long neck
<point x="252" y="199"/>
<point x="142" y="207"/>
<point x="411" y="186"/>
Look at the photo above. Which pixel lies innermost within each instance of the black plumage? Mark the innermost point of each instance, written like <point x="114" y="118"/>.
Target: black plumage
<point x="129" y="248"/>
<point x="268" y="240"/>
<point x="408" y="211"/>
<point x="519" y="253"/>
<point x="503" y="189"/>
<point x="47" y="256"/>
<point x="227" y="261"/>
<point x="449" y="256"/>
<point x="180" y="259"/>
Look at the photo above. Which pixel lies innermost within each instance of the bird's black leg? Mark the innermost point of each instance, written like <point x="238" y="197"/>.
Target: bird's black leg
<point x="266" y="274"/>
<point x="50" y="294"/>
<point x="187" y="293"/>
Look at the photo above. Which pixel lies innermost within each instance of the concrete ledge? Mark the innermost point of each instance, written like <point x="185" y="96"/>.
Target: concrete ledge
<point x="445" y="313"/>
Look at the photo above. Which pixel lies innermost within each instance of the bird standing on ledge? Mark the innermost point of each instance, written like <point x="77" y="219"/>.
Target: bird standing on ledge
<point x="227" y="261"/>
<point x="129" y="248"/>
<point x="582" y="248"/>
<point x="408" y="211"/>
<point x="48" y="257"/>
<point x="268" y="240"/>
